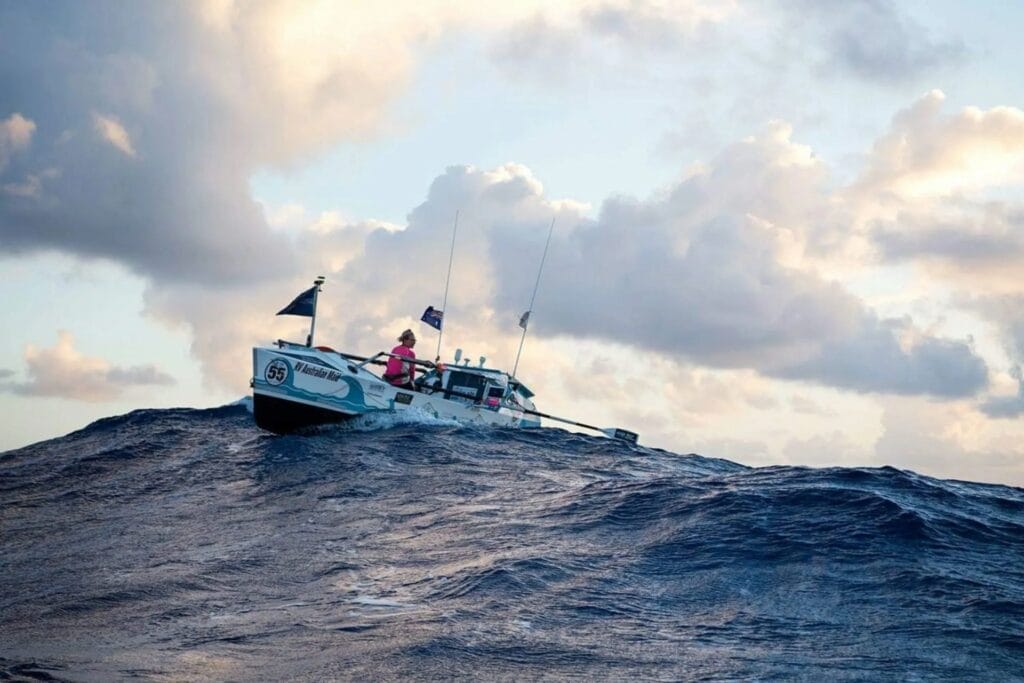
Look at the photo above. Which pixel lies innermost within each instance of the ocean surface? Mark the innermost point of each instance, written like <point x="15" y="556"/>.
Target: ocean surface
<point x="188" y="545"/>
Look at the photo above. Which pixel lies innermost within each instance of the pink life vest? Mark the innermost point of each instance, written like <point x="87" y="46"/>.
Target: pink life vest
<point x="398" y="367"/>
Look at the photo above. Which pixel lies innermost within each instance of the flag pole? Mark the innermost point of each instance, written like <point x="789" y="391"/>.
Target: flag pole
<point x="312" y="323"/>
<point x="525" y="320"/>
<point x="448" y="279"/>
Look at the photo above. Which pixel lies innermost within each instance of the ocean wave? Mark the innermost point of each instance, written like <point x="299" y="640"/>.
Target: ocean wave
<point x="187" y="544"/>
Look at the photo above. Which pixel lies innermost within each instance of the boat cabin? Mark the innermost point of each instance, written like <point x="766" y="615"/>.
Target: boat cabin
<point x="476" y="385"/>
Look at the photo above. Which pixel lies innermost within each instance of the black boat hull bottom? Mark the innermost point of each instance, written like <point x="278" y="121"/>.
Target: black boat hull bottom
<point x="281" y="416"/>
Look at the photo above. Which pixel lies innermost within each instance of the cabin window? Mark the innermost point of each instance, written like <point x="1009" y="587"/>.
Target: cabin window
<point x="522" y="390"/>
<point x="465" y="385"/>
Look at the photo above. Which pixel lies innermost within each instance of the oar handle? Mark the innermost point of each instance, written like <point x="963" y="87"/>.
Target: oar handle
<point x="363" y="359"/>
<point x="406" y="359"/>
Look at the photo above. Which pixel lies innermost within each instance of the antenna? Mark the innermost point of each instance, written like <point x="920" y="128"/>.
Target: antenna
<point x="448" y="279"/>
<point x="525" y="320"/>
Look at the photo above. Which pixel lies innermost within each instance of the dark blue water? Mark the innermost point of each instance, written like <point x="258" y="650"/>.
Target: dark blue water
<point x="187" y="545"/>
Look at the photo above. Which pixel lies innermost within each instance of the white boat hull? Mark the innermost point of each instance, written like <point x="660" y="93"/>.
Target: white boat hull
<point x="295" y="387"/>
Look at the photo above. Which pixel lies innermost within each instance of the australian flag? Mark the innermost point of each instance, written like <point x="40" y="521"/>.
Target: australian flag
<point x="524" y="320"/>
<point x="433" y="317"/>
<point x="302" y="305"/>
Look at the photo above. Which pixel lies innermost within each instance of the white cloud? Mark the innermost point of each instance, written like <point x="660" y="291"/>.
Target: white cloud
<point x="925" y="154"/>
<point x="724" y="280"/>
<point x="15" y="135"/>
<point x="64" y="372"/>
<point x="926" y="196"/>
<point x="689" y="275"/>
<point x="321" y="71"/>
<point x="206" y="94"/>
<point x="32" y="186"/>
<point x="712" y="270"/>
<point x="112" y="131"/>
<point x="716" y="269"/>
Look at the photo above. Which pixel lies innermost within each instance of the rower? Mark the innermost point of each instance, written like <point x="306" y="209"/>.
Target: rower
<point x="400" y="373"/>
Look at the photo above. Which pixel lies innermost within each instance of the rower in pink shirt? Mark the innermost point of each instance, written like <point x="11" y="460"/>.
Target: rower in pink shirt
<point x="398" y="372"/>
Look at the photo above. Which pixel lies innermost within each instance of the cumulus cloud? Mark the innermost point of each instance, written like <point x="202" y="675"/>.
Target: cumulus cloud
<point x="15" y="135"/>
<point x="64" y="372"/>
<point x="185" y="212"/>
<point x="926" y="194"/>
<point x="702" y="273"/>
<point x="928" y="189"/>
<point x="712" y="270"/>
<point x="199" y="96"/>
<point x="926" y="154"/>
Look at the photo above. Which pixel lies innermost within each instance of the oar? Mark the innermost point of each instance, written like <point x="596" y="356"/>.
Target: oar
<point x="613" y="432"/>
<point x="404" y="359"/>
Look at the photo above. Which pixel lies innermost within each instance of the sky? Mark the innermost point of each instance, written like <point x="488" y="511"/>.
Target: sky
<point x="785" y="231"/>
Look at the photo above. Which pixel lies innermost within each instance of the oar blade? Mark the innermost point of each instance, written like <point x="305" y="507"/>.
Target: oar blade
<point x="621" y="434"/>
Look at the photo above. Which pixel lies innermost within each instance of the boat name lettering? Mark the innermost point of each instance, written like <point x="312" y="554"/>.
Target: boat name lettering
<point x="317" y="371"/>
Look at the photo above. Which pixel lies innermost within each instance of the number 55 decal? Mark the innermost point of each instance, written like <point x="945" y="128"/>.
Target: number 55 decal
<point x="276" y="372"/>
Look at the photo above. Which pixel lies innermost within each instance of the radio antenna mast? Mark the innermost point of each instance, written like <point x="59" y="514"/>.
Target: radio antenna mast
<point x="448" y="279"/>
<point x="524" y="321"/>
